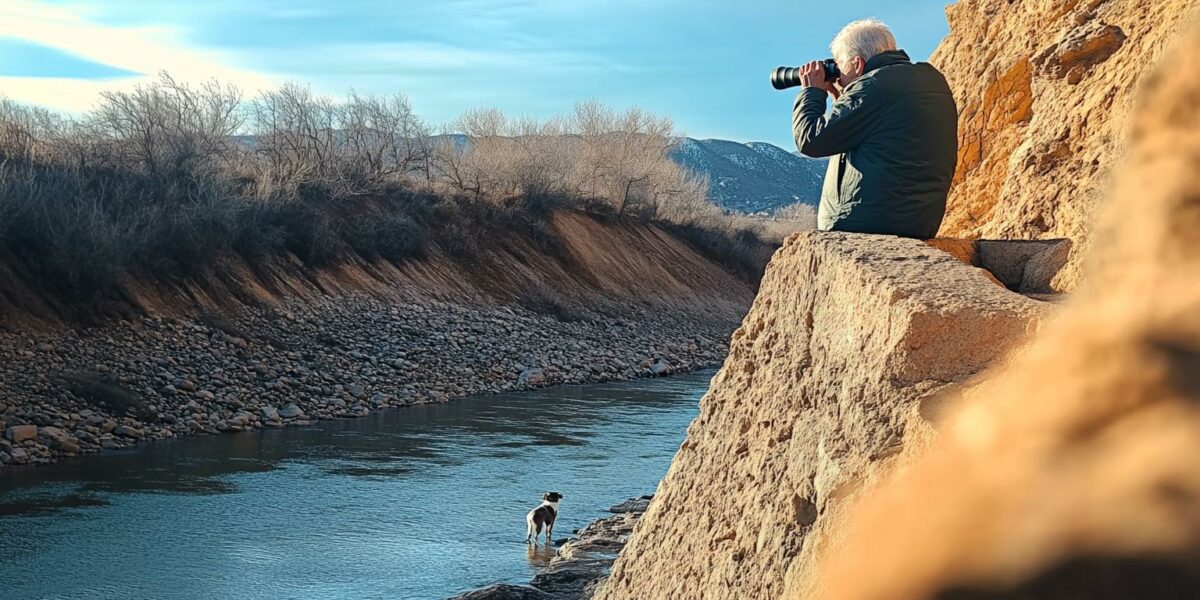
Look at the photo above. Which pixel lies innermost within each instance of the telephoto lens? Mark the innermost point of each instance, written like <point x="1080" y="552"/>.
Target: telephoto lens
<point x="785" y="77"/>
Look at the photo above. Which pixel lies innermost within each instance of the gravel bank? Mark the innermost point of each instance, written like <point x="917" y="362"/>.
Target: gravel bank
<point x="84" y="391"/>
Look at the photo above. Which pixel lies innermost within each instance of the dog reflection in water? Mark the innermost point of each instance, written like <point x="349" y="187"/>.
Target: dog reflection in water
<point x="539" y="555"/>
<point x="542" y="518"/>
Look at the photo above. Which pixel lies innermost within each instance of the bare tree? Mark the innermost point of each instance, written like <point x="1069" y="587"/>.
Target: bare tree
<point x="295" y="136"/>
<point x="168" y="129"/>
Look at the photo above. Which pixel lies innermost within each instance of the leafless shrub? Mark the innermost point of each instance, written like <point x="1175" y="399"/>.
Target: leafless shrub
<point x="788" y="220"/>
<point x="295" y="138"/>
<point x="622" y="158"/>
<point x="173" y="132"/>
<point x="163" y="180"/>
<point x="349" y="148"/>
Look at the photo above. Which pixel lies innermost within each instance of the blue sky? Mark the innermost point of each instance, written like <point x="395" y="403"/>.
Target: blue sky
<point x="703" y="62"/>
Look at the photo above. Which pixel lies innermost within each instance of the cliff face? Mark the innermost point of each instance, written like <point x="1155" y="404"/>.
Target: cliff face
<point x="845" y="451"/>
<point x="1074" y="470"/>
<point x="1045" y="92"/>
<point x="850" y="339"/>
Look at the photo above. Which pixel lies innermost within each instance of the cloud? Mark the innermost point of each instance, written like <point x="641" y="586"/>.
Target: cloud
<point x="22" y="59"/>
<point x="141" y="50"/>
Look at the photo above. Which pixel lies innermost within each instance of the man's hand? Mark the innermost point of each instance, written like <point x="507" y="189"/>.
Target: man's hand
<point x="813" y="75"/>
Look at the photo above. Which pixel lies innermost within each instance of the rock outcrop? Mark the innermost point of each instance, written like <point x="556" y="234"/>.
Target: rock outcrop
<point x="1074" y="470"/>
<point x="851" y="339"/>
<point x="846" y="452"/>
<point x="1045" y="92"/>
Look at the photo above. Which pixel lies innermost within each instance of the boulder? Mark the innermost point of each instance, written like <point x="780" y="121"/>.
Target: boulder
<point x="568" y="579"/>
<point x="852" y="337"/>
<point x="59" y="439"/>
<point x="504" y="591"/>
<point x="634" y="505"/>
<point x="129" y="432"/>
<point x="1045" y="93"/>
<point x="531" y="377"/>
<point x="19" y="433"/>
<point x="291" y="411"/>
<point x="1073" y="469"/>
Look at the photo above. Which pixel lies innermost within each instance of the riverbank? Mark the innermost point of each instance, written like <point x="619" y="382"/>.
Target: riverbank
<point x="580" y="564"/>
<point x="75" y="391"/>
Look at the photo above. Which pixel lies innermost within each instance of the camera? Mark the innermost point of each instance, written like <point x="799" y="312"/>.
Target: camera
<point x="786" y="77"/>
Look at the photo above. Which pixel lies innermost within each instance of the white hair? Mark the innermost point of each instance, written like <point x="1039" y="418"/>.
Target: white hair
<point x="866" y="38"/>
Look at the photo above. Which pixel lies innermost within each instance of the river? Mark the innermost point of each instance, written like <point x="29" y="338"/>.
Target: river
<point x="414" y="503"/>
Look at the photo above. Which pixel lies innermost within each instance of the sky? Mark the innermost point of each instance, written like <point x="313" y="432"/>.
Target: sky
<point x="704" y="63"/>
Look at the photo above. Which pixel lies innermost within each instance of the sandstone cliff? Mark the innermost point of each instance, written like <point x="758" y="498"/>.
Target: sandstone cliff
<point x="851" y="337"/>
<point x="1072" y="471"/>
<point x="847" y="451"/>
<point x="1045" y="91"/>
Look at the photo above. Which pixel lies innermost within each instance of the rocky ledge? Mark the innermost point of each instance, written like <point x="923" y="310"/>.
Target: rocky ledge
<point x="80" y="391"/>
<point x="580" y="565"/>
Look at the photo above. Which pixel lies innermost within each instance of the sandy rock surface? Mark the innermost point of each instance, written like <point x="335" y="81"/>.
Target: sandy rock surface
<point x="1072" y="471"/>
<point x="1045" y="92"/>
<point x="851" y="336"/>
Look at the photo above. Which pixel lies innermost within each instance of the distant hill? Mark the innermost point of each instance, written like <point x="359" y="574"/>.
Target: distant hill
<point x="753" y="177"/>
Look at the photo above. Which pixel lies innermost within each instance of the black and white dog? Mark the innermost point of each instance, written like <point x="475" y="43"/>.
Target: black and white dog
<point x="543" y="517"/>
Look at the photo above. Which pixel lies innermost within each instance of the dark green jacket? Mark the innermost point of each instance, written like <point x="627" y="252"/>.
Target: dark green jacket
<point x="895" y="134"/>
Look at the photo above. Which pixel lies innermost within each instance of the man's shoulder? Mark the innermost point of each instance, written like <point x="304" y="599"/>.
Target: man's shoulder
<point x="908" y="76"/>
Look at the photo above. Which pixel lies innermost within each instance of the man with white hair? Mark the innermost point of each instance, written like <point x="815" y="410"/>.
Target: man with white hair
<point x="892" y="136"/>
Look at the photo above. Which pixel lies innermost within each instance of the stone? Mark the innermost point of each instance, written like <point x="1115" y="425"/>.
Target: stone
<point x="356" y="390"/>
<point x="19" y="433"/>
<point x="504" y="591"/>
<point x="570" y="579"/>
<point x="660" y="367"/>
<point x="1008" y="260"/>
<point x="59" y="439"/>
<point x="270" y="413"/>
<point x="850" y="337"/>
<point x="531" y="377"/>
<point x="129" y="432"/>
<point x="637" y="505"/>
<point x="291" y="411"/>
<point x="1071" y="470"/>
<point x="1045" y="93"/>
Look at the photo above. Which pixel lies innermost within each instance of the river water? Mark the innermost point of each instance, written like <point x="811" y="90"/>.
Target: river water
<point x="420" y="502"/>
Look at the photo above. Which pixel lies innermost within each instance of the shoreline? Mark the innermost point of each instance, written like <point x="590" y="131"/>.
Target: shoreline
<point x="580" y="564"/>
<point x="61" y="393"/>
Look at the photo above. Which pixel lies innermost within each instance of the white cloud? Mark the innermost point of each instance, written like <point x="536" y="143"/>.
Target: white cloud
<point x="145" y="50"/>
